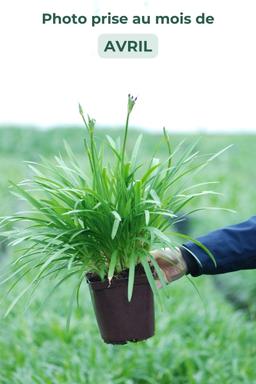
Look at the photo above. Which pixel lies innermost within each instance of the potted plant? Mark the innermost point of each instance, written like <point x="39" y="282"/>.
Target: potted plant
<point x="101" y="223"/>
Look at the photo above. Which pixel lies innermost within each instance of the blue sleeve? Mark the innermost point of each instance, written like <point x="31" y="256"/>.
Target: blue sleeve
<point x="234" y="248"/>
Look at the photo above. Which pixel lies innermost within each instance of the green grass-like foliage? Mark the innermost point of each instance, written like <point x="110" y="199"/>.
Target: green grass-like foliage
<point x="103" y="216"/>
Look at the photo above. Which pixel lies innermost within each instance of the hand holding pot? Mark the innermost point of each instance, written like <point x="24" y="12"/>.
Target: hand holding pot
<point x="171" y="263"/>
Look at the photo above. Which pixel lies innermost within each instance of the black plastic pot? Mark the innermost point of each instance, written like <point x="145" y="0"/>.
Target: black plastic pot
<point x="118" y="319"/>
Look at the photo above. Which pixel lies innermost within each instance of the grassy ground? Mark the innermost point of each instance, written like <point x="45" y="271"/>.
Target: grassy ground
<point x="197" y="343"/>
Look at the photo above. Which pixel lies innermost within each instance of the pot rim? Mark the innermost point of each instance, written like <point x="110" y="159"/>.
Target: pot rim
<point x="116" y="283"/>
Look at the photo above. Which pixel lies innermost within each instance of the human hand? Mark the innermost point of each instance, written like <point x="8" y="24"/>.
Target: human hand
<point x="171" y="263"/>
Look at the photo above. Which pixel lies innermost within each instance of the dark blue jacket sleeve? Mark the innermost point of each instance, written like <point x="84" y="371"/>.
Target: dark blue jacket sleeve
<point x="234" y="248"/>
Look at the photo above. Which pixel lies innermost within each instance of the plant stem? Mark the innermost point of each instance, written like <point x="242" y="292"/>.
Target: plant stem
<point x="125" y="139"/>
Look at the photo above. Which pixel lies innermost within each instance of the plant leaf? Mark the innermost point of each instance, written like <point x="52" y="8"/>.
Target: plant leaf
<point x="131" y="277"/>
<point x="112" y="265"/>
<point x="136" y="149"/>
<point x="147" y="216"/>
<point x="149" y="275"/>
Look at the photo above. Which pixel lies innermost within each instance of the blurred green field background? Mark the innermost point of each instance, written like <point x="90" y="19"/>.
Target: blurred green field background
<point x="211" y="343"/>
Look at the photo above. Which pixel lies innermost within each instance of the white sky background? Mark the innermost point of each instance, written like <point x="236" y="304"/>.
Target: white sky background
<point x="203" y="78"/>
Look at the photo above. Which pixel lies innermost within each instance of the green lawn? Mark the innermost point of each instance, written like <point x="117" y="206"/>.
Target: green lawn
<point x="195" y="342"/>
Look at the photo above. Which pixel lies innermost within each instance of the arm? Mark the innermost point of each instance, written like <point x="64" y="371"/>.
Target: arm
<point x="233" y="247"/>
